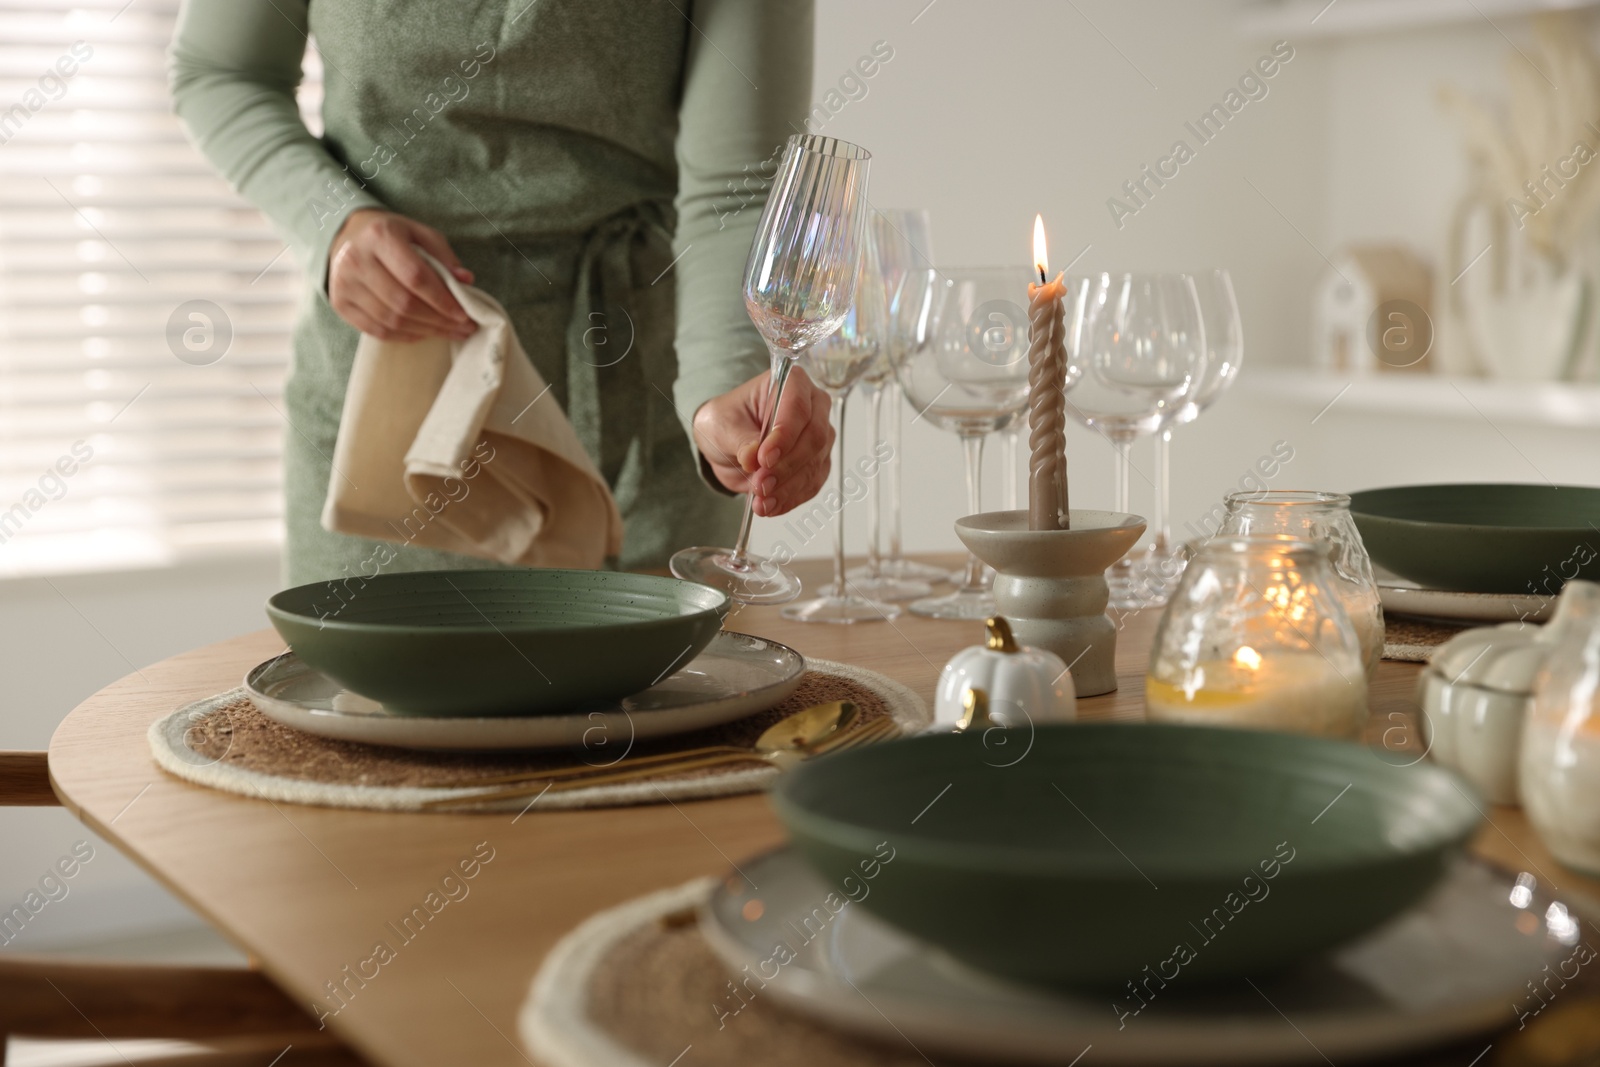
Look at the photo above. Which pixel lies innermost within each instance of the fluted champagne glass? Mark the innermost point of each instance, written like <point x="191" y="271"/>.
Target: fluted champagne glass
<point x="872" y="579"/>
<point x="905" y="254"/>
<point x="900" y="239"/>
<point x="799" y="284"/>
<point x="837" y="363"/>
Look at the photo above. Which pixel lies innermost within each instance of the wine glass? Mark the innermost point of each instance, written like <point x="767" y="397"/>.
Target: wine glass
<point x="836" y="363"/>
<point x="1137" y="348"/>
<point x="905" y="254"/>
<point x="799" y="285"/>
<point x="972" y="380"/>
<point x="896" y="233"/>
<point x="1219" y="313"/>
<point x="870" y="579"/>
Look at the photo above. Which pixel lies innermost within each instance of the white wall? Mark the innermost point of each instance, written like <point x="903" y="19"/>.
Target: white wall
<point x="991" y="112"/>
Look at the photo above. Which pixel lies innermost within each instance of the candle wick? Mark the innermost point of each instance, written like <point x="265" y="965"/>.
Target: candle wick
<point x="1041" y="274"/>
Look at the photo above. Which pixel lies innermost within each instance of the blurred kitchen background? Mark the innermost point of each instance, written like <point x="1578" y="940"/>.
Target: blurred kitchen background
<point x="1367" y="177"/>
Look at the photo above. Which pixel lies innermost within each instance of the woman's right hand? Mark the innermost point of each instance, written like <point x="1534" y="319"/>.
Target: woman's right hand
<point x="378" y="284"/>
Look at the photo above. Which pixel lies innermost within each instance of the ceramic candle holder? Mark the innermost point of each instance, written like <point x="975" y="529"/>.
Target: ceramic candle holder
<point x="1051" y="584"/>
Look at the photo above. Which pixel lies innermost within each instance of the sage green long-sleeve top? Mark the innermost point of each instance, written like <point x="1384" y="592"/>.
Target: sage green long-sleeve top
<point x="599" y="164"/>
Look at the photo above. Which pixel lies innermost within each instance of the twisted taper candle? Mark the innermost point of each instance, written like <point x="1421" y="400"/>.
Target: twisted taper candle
<point x="1047" y="403"/>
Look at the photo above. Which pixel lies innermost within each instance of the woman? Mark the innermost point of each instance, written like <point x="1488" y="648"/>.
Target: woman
<point x="598" y="166"/>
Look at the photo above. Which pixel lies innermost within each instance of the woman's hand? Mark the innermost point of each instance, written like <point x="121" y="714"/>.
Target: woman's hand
<point x="787" y="468"/>
<point x="378" y="284"/>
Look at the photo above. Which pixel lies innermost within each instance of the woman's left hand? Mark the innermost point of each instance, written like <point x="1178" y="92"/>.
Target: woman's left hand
<point x="786" y="469"/>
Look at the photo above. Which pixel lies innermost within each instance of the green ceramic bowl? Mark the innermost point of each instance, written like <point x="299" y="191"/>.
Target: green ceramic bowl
<point x="1483" y="538"/>
<point x="1108" y="849"/>
<point x="489" y="642"/>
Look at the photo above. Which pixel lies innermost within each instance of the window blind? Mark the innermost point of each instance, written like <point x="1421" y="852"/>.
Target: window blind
<point x="145" y="308"/>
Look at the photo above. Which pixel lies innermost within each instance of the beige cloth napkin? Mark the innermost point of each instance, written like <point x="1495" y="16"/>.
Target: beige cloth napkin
<point x="456" y="445"/>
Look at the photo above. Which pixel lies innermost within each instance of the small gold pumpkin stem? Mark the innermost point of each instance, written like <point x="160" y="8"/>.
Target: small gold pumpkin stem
<point x="976" y="709"/>
<point x="1000" y="639"/>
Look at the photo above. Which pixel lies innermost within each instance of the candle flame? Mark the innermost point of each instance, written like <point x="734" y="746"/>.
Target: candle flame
<point x="1248" y="657"/>
<point x="1041" y="257"/>
<point x="1293" y="603"/>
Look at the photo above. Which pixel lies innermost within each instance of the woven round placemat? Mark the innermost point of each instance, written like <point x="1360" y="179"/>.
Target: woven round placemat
<point x="1413" y="640"/>
<point x="223" y="742"/>
<point x="638" y="986"/>
<point x="637" y="980"/>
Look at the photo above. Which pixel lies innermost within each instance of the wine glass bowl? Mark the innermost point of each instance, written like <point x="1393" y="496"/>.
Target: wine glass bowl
<point x="1219" y="314"/>
<point x="799" y="285"/>
<point x="1136" y="353"/>
<point x="800" y="279"/>
<point x="974" y="378"/>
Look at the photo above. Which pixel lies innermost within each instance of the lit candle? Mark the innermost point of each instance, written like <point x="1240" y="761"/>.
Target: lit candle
<point x="1047" y="400"/>
<point x="1299" y="692"/>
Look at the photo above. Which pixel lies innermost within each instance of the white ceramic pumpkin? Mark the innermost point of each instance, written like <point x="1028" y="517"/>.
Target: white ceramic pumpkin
<point x="1023" y="684"/>
<point x="1475" y="694"/>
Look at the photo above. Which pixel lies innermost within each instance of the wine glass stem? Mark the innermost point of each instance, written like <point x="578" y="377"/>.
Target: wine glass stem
<point x="838" y="529"/>
<point x="781" y="363"/>
<point x="1011" y="437"/>
<point x="1163" y="508"/>
<point x="875" y="491"/>
<point x="892" y="469"/>
<point x="1124" y="461"/>
<point x="972" y="451"/>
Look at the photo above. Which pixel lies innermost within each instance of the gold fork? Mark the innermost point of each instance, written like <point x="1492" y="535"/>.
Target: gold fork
<point x="799" y="730"/>
<point x="880" y="729"/>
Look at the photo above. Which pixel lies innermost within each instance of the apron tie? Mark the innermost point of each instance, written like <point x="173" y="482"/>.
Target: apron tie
<point x="606" y="381"/>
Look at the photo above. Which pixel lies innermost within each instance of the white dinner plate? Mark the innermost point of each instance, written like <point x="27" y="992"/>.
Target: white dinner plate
<point x="736" y="675"/>
<point x="1405" y="597"/>
<point x="1457" y="964"/>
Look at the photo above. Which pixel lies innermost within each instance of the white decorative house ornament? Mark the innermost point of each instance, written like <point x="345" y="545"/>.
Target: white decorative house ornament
<point x="1372" y="312"/>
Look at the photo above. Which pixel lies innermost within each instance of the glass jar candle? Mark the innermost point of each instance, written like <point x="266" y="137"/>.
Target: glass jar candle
<point x="1323" y="518"/>
<point x="1559" y="770"/>
<point x="1256" y="636"/>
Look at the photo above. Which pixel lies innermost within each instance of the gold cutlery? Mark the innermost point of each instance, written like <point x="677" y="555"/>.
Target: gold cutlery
<point x="881" y="729"/>
<point x="809" y="732"/>
<point x="796" y="730"/>
<point x="877" y="730"/>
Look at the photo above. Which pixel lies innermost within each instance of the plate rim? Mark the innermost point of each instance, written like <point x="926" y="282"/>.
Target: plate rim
<point x="1456" y="605"/>
<point x="1225" y="1039"/>
<point x="303" y="718"/>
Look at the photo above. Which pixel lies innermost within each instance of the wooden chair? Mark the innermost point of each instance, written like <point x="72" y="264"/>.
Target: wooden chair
<point x="236" y="1014"/>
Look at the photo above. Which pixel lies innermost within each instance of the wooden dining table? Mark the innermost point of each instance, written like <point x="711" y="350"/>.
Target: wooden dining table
<point x="308" y="891"/>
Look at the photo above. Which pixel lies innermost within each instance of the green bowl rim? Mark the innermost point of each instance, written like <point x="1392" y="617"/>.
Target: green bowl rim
<point x="1017" y="860"/>
<point x="1356" y="512"/>
<point x="276" y="611"/>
